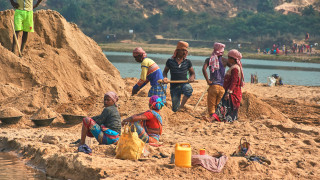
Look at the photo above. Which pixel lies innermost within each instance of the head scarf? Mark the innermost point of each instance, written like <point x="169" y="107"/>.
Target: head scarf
<point x="181" y="45"/>
<point x="218" y="49"/>
<point x="113" y="96"/>
<point x="237" y="56"/>
<point x="155" y="103"/>
<point x="139" y="51"/>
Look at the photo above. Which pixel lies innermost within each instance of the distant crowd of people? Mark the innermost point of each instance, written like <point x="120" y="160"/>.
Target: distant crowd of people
<point x="278" y="49"/>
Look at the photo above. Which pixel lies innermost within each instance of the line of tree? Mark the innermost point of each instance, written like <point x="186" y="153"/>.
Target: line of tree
<point x="98" y="18"/>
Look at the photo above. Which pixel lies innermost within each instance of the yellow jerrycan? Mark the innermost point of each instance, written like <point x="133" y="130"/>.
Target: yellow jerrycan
<point x="182" y="156"/>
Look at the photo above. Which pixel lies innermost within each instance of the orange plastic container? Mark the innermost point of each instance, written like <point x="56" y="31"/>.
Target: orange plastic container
<point x="202" y="151"/>
<point x="183" y="155"/>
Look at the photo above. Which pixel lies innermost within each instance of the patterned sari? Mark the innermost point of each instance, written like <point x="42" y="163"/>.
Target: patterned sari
<point x="102" y="134"/>
<point x="147" y="134"/>
<point x="227" y="110"/>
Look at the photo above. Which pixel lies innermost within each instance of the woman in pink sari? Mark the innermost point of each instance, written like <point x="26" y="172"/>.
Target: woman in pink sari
<point x="227" y="109"/>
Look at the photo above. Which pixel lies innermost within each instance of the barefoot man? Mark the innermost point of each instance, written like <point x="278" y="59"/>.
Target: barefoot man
<point x="23" y="20"/>
<point x="179" y="67"/>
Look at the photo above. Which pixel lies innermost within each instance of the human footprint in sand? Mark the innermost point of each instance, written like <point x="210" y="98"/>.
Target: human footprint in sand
<point x="107" y="126"/>
<point x="179" y="67"/>
<point x="149" y="123"/>
<point x="227" y="109"/>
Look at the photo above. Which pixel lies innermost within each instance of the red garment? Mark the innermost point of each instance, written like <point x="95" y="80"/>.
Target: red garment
<point x="152" y="122"/>
<point x="232" y="84"/>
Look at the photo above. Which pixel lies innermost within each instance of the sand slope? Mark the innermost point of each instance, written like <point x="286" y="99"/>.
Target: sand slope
<point x="60" y="64"/>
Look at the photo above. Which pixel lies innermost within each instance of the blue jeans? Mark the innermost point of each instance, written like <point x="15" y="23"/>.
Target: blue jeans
<point x="176" y="90"/>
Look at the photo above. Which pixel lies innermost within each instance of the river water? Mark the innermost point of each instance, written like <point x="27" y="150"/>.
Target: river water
<point x="13" y="168"/>
<point x="293" y="73"/>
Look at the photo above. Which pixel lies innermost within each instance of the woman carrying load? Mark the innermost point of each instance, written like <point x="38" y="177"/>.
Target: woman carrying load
<point x="149" y="123"/>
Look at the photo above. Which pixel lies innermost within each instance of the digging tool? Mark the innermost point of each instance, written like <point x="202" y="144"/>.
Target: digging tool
<point x="204" y="92"/>
<point x="16" y="39"/>
<point x="177" y="81"/>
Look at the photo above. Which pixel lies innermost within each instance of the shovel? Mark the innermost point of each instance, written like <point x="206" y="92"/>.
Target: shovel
<point x="15" y="37"/>
<point x="177" y="81"/>
<point x="204" y="92"/>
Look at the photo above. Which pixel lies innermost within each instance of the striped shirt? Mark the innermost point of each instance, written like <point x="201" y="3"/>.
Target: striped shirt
<point x="150" y="71"/>
<point x="179" y="71"/>
<point x="26" y="5"/>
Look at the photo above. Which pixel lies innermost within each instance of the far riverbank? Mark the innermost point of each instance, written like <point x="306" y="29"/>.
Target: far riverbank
<point x="128" y="46"/>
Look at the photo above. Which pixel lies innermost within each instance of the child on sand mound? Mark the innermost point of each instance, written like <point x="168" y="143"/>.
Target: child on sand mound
<point x="149" y="123"/>
<point x="105" y="127"/>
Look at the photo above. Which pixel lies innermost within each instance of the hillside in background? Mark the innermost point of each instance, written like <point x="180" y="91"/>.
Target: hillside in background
<point x="254" y="21"/>
<point x="219" y="7"/>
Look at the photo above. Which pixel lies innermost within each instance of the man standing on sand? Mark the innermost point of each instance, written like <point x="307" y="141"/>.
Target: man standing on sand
<point x="150" y="71"/>
<point x="23" y="20"/>
<point x="216" y="64"/>
<point x="179" y="67"/>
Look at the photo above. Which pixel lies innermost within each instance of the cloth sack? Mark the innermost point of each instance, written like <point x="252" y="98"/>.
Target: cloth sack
<point x="213" y="164"/>
<point x="130" y="146"/>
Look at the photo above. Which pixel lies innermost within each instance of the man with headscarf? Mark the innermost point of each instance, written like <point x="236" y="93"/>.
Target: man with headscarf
<point x="216" y="64"/>
<point x="227" y="110"/>
<point x="150" y="71"/>
<point x="179" y="67"/>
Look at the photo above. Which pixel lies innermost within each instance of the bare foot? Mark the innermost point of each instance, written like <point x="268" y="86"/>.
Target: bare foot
<point x="206" y="119"/>
<point x="182" y="109"/>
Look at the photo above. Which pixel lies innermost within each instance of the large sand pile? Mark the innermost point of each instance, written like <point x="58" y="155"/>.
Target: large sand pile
<point x="60" y="64"/>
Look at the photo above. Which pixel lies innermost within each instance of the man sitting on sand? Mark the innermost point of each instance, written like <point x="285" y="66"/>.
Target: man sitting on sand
<point x="150" y="71"/>
<point x="179" y="67"/>
<point x="23" y="20"/>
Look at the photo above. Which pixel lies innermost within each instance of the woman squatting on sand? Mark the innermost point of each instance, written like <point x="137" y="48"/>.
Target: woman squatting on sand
<point x="106" y="127"/>
<point x="149" y="123"/>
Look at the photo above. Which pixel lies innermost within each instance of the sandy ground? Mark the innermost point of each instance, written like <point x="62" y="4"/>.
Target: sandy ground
<point x="280" y="123"/>
<point x="291" y="145"/>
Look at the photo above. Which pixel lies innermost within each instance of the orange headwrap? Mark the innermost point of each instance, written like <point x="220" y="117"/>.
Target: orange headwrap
<point x="181" y="45"/>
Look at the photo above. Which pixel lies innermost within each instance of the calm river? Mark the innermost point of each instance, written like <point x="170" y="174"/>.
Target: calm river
<point x="294" y="73"/>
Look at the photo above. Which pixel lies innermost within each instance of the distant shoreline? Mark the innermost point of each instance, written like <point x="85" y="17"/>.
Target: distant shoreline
<point x="168" y="49"/>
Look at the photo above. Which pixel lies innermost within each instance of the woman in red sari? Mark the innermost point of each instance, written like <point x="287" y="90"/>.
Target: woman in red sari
<point x="227" y="109"/>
